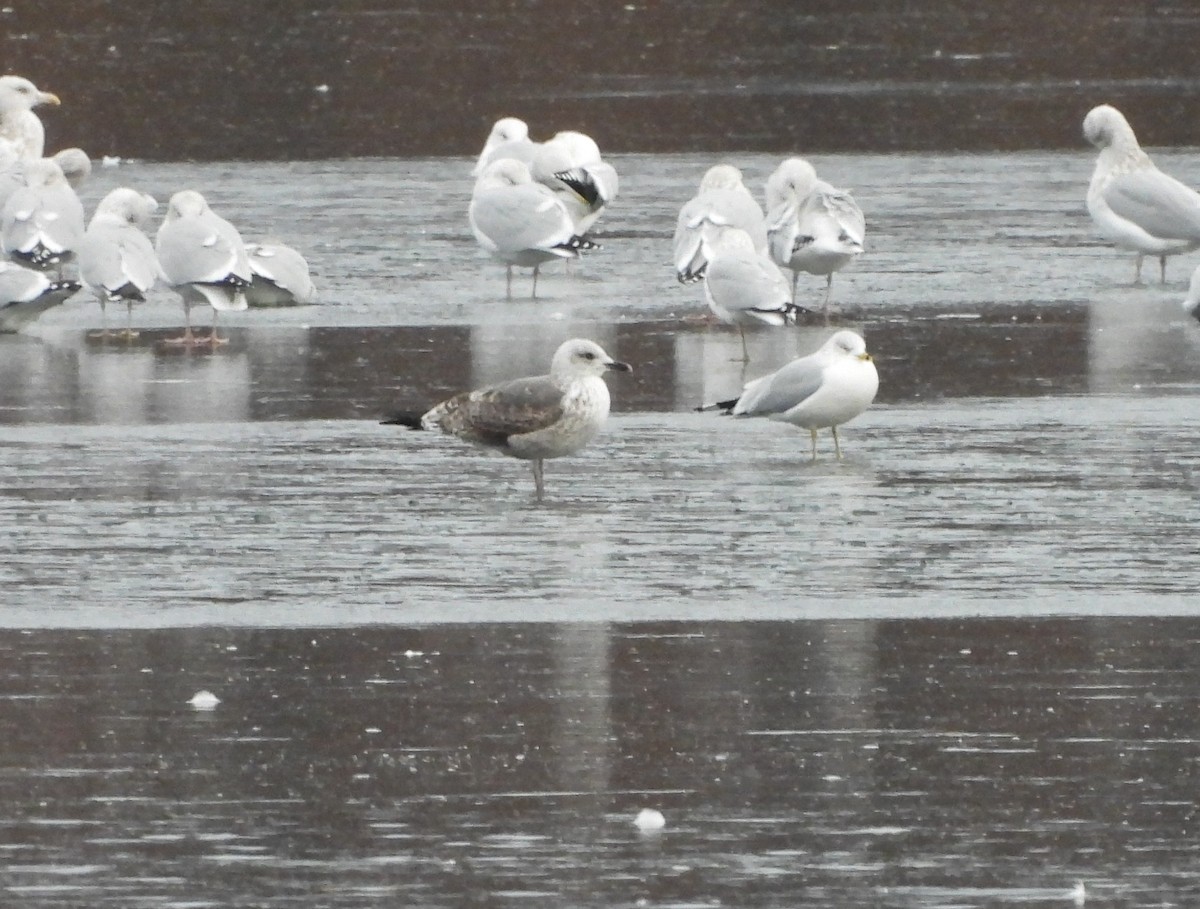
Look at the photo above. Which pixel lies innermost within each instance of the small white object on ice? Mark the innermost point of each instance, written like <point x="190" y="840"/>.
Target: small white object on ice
<point x="649" y="819"/>
<point x="1079" y="893"/>
<point x="204" y="700"/>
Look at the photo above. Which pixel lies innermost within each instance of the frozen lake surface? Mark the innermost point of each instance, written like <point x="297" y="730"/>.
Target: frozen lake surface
<point x="952" y="670"/>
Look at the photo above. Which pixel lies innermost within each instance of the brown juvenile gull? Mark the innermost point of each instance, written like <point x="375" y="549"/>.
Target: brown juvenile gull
<point x="204" y="260"/>
<point x="1132" y="203"/>
<point x="826" y="388"/>
<point x="534" y="418"/>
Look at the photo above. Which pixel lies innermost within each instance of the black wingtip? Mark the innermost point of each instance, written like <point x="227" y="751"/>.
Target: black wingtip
<point x="726" y="407"/>
<point x="408" y="419"/>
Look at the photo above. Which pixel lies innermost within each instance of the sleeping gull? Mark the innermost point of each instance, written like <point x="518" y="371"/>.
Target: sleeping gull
<point x="811" y="226"/>
<point x="521" y="222"/>
<point x="19" y="125"/>
<point x="570" y="165"/>
<point x="25" y="294"/>
<point x="116" y="259"/>
<point x="42" y="222"/>
<point x="1133" y="203"/>
<point x="509" y="138"/>
<point x="281" y="276"/>
<point x="826" y="388"/>
<point x="743" y="286"/>
<point x="721" y="201"/>
<point x="533" y="418"/>
<point x="203" y="259"/>
<point x="75" y="164"/>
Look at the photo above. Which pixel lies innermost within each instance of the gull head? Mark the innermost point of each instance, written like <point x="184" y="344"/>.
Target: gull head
<point x="1105" y="126"/>
<point x="128" y="206"/>
<point x="187" y="203"/>
<point x="76" y="165"/>
<point x="721" y="176"/>
<point x="581" y="147"/>
<point x="18" y="93"/>
<point x="580" y="358"/>
<point x="507" y="129"/>
<point x="848" y="344"/>
<point x="792" y="181"/>
<point x="44" y="172"/>
<point x="505" y="172"/>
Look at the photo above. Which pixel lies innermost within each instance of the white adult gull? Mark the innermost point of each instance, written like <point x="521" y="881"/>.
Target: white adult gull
<point x="824" y="389"/>
<point x="509" y="138"/>
<point x="521" y="222"/>
<point x="42" y="223"/>
<point x="204" y="260"/>
<point x="569" y="163"/>
<point x="1132" y="203"/>
<point x="19" y="125"/>
<point x="117" y="262"/>
<point x="533" y="418"/>
<point x="281" y="276"/>
<point x="811" y="226"/>
<point x="721" y="201"/>
<point x="25" y="294"/>
<point x="742" y="284"/>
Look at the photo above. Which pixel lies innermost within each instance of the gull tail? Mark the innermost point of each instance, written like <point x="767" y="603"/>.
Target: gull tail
<point x="577" y="244"/>
<point x="407" y="418"/>
<point x="726" y="407"/>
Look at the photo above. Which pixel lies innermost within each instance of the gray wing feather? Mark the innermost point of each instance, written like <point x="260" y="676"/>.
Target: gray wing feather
<point x="517" y="218"/>
<point x="193" y="250"/>
<point x="1159" y="204"/>
<point x="781" y="390"/>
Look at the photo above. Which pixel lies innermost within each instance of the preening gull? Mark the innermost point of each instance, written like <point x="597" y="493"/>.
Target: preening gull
<point x="721" y="201"/>
<point x="742" y="284"/>
<point x="19" y="125"/>
<point x="533" y="418"/>
<point x="42" y="222"/>
<point x="509" y="138"/>
<point x="75" y="165"/>
<point x="521" y="222"/>
<point x="203" y="259"/>
<point x="826" y="388"/>
<point x="281" y="276"/>
<point x="1132" y="203"/>
<point x="117" y="262"/>
<point x="25" y="294"/>
<point x="811" y="226"/>
<point x="569" y="163"/>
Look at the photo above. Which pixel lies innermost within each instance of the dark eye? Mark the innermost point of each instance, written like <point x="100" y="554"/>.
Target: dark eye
<point x="588" y="355"/>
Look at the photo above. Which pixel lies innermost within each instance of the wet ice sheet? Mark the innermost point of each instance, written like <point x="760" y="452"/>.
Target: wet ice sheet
<point x="1038" y="505"/>
<point x="896" y="764"/>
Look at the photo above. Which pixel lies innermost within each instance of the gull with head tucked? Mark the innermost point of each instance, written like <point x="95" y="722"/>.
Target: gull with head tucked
<point x="743" y="286"/>
<point x="533" y="418"/>
<point x="117" y="262"/>
<point x="824" y="389"/>
<point x="811" y="226"/>
<point x="521" y="222"/>
<point x="1132" y="203"/>
<point x="509" y="138"/>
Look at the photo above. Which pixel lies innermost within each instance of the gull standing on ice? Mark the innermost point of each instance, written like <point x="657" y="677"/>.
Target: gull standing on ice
<point x="742" y="284"/>
<point x="721" y="201"/>
<point x="117" y="262"/>
<point x="571" y="166"/>
<point x="19" y="125"/>
<point x="281" y="276"/>
<point x="533" y="418"/>
<point x="1132" y="203"/>
<point x="509" y="138"/>
<point x="811" y="226"/>
<point x="826" y="388"/>
<point x="42" y="223"/>
<point x="25" y="294"/>
<point x="521" y="222"/>
<point x="204" y="260"/>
